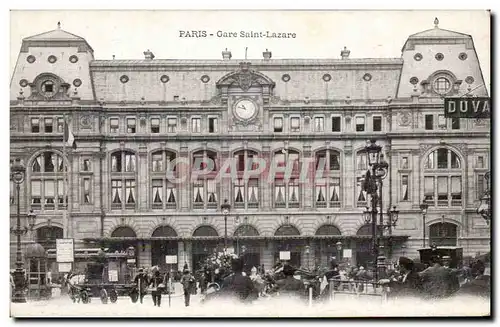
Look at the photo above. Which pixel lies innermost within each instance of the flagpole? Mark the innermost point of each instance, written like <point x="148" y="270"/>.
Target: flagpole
<point x="65" y="186"/>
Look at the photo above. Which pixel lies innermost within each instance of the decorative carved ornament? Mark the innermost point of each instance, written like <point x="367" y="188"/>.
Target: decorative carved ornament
<point x="404" y="118"/>
<point x="86" y="121"/>
<point x="424" y="148"/>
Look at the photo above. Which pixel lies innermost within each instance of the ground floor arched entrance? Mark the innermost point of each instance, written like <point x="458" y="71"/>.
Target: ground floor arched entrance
<point x="364" y="246"/>
<point x="205" y="242"/>
<point x="288" y="239"/>
<point x="247" y="247"/>
<point x="164" y="243"/>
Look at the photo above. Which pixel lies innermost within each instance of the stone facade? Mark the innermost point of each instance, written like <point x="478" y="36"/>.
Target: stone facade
<point x="129" y="107"/>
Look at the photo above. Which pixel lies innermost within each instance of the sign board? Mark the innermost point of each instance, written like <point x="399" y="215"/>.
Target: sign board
<point x="171" y="259"/>
<point x="65" y="250"/>
<point x="284" y="255"/>
<point x="64" y="267"/>
<point x="130" y="260"/>
<point x="347" y="253"/>
<point x="467" y="107"/>
<point x="113" y="275"/>
<point x="230" y="251"/>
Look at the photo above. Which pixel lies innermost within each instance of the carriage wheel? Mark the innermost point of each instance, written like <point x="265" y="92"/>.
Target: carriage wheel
<point x="113" y="296"/>
<point x="104" y="296"/>
<point x="134" y="296"/>
<point x="85" y="297"/>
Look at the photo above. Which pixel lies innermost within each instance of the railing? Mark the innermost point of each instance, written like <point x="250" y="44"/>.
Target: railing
<point x="357" y="288"/>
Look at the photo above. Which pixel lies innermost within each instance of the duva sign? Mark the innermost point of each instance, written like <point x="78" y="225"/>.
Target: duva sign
<point x="467" y="107"/>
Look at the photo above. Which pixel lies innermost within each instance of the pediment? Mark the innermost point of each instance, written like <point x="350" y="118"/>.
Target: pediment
<point x="49" y="87"/>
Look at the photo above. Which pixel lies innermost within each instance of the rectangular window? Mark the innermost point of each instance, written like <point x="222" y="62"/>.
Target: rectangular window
<point x="404" y="162"/>
<point x="157" y="185"/>
<point x="279" y="193"/>
<point x="404" y="188"/>
<point x="362" y="163"/>
<point x="442" y="158"/>
<point x="480" y="186"/>
<point x="319" y="124"/>
<point x="455" y="123"/>
<point x="278" y="124"/>
<point x="293" y="191"/>
<point x="294" y="124"/>
<point x="48" y="125"/>
<point x="456" y="191"/>
<point x="60" y="194"/>
<point x="131" y="125"/>
<point x="240" y="162"/>
<point x="36" y="192"/>
<point x="198" y="192"/>
<point x="60" y="125"/>
<point x="49" y="192"/>
<point x="442" y="185"/>
<point x="171" y="196"/>
<point x="320" y="193"/>
<point x="130" y="192"/>
<point x="155" y="125"/>
<point x="377" y="123"/>
<point x="195" y="125"/>
<point x="86" y="165"/>
<point x="362" y="195"/>
<point x="212" y="191"/>
<point x="239" y="193"/>
<point x="113" y="125"/>
<point x="253" y="193"/>
<point x="334" y="192"/>
<point x="429" y="189"/>
<point x="86" y="190"/>
<point x="360" y="124"/>
<point x="35" y="125"/>
<point x="130" y="163"/>
<point x="334" y="161"/>
<point x="442" y="121"/>
<point x="336" y="125"/>
<point x="172" y="125"/>
<point x="116" y="192"/>
<point x="157" y="159"/>
<point x="429" y="122"/>
<point x="212" y="125"/>
<point x="12" y="192"/>
<point x="480" y="162"/>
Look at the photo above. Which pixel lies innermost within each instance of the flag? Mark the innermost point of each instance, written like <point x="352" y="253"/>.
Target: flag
<point x="69" y="138"/>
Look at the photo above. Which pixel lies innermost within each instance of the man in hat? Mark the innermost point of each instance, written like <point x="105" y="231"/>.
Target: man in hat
<point x="290" y="285"/>
<point x="188" y="282"/>
<point x="410" y="283"/>
<point x="435" y="279"/>
<point x="141" y="280"/>
<point x="239" y="285"/>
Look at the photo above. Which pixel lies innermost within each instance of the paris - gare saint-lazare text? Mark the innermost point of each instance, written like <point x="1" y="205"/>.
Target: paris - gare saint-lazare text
<point x="237" y="34"/>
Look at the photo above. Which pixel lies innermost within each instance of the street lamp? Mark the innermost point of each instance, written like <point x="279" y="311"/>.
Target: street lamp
<point x="17" y="175"/>
<point x="423" y="207"/>
<point x="371" y="185"/>
<point x="484" y="208"/>
<point x="338" y="245"/>
<point x="225" y="207"/>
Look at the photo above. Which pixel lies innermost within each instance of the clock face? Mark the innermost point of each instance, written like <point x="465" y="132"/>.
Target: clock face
<point x="245" y="109"/>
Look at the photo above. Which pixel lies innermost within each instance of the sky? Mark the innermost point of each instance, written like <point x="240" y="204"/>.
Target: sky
<point x="319" y="34"/>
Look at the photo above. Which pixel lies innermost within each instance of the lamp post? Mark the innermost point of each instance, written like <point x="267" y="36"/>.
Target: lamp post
<point x="225" y="207"/>
<point x="484" y="208"/>
<point x="17" y="175"/>
<point x="423" y="207"/>
<point x="338" y="245"/>
<point x="373" y="185"/>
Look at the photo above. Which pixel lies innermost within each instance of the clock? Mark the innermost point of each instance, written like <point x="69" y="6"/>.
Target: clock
<point x="245" y="109"/>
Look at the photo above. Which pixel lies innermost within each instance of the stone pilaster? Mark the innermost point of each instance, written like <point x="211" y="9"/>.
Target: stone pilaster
<point x="143" y="178"/>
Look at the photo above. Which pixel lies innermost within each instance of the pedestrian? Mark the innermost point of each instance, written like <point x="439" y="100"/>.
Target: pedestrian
<point x="187" y="281"/>
<point x="157" y="285"/>
<point x="141" y="281"/>
<point x="239" y="285"/>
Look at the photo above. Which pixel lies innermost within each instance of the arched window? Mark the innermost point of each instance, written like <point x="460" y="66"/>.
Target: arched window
<point x="328" y="230"/>
<point x="123" y="231"/>
<point x="164" y="231"/>
<point x="161" y="248"/>
<point x="365" y="230"/>
<point x="121" y="244"/>
<point x="443" y="178"/>
<point x="287" y="190"/>
<point x="123" y="180"/>
<point x="327" y="179"/>
<point x="163" y="191"/>
<point x="47" y="236"/>
<point x="246" y="191"/>
<point x="47" y="182"/>
<point x="443" y="234"/>
<point x="361" y="168"/>
<point x="246" y="230"/>
<point x="205" y="191"/>
<point x="287" y="230"/>
<point x="205" y="231"/>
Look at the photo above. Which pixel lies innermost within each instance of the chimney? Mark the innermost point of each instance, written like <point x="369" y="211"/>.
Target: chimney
<point x="226" y="55"/>
<point x="267" y="54"/>
<point x="148" y="55"/>
<point x="345" y="53"/>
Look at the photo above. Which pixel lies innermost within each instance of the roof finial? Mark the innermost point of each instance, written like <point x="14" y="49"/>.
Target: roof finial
<point x="113" y="57"/>
<point x="59" y="25"/>
<point x="436" y="22"/>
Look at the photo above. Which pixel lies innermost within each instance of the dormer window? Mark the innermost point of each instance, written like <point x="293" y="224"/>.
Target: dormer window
<point x="442" y="85"/>
<point x="48" y="88"/>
